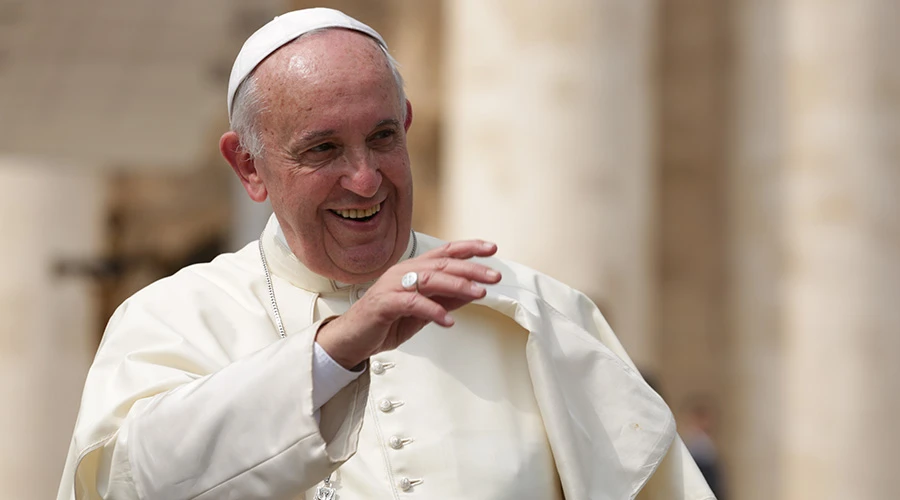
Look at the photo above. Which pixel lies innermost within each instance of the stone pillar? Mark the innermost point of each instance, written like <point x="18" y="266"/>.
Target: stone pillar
<point x="415" y="38"/>
<point x="816" y="237"/>
<point x="694" y="119"/>
<point x="48" y="332"/>
<point x="548" y="145"/>
<point x="842" y="245"/>
<point x="754" y="417"/>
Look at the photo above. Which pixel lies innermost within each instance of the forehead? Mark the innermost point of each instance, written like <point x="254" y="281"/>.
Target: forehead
<point x="318" y="74"/>
<point x="327" y="60"/>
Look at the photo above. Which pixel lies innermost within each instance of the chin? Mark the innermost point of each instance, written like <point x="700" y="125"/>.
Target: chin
<point x="365" y="266"/>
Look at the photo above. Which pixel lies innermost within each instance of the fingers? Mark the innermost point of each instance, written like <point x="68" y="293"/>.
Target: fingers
<point x="419" y="306"/>
<point x="449" y="285"/>
<point x="448" y="303"/>
<point x="447" y="272"/>
<point x="464" y="269"/>
<point x="463" y="249"/>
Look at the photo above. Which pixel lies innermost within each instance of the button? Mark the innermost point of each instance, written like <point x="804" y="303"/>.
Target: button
<point x="395" y="442"/>
<point x="377" y="367"/>
<point x="405" y="484"/>
<point x="360" y="292"/>
<point x="385" y="405"/>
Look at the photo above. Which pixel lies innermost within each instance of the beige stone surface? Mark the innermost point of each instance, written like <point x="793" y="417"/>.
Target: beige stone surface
<point x="548" y="145"/>
<point x="691" y="228"/>
<point x="842" y="241"/>
<point x="48" y="333"/>
<point x="753" y="415"/>
<point x="104" y="82"/>
<point x="815" y="241"/>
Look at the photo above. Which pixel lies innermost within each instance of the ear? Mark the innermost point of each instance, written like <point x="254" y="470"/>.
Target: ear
<point x="243" y="165"/>
<point x="408" y="121"/>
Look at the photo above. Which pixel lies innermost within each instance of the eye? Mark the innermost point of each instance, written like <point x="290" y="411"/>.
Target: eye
<point x="317" y="155"/>
<point x="322" y="148"/>
<point x="382" y="137"/>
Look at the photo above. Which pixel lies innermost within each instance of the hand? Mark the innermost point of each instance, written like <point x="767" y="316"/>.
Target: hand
<point x="389" y="315"/>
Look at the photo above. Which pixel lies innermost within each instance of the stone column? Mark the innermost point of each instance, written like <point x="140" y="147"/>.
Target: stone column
<point x="415" y="38"/>
<point x="48" y="333"/>
<point x="816" y="241"/>
<point x="842" y="245"/>
<point x="548" y="145"/>
<point x="754" y="416"/>
<point x="694" y="119"/>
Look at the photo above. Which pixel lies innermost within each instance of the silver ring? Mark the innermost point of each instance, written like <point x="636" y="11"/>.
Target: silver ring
<point x="410" y="281"/>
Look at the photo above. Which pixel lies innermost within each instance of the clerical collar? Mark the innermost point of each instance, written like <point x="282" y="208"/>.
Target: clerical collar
<point x="284" y="264"/>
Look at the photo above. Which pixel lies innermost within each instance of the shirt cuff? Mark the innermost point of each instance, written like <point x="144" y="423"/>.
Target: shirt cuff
<point x="328" y="376"/>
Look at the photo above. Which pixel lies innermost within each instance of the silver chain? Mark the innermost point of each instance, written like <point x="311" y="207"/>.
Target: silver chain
<point x="326" y="491"/>
<point x="265" y="264"/>
<point x="412" y="252"/>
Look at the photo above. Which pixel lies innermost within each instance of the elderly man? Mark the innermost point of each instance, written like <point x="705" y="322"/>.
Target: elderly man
<point x="344" y="355"/>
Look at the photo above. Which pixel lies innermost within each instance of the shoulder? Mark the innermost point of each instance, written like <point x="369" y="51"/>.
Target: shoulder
<point x="227" y="274"/>
<point x="213" y="303"/>
<point x="204" y="316"/>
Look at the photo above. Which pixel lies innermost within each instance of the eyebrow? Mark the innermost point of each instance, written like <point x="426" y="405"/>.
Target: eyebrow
<point x="318" y="134"/>
<point x="315" y="134"/>
<point x="389" y="121"/>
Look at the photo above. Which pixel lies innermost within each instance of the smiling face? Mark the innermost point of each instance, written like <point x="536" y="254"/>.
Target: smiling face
<point x="335" y="164"/>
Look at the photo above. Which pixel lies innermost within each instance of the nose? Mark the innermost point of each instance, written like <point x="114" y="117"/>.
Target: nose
<point x="363" y="178"/>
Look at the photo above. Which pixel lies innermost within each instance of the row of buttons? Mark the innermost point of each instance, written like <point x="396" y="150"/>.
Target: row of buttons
<point x="386" y="406"/>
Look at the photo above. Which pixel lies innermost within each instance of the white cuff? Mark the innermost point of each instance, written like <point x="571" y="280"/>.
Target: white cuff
<point x="328" y="377"/>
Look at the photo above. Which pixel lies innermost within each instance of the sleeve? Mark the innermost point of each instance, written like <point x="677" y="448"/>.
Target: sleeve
<point x="329" y="377"/>
<point x="677" y="477"/>
<point x="160" y="420"/>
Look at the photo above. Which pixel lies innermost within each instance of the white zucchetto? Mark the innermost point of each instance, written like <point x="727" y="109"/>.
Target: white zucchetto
<point x="280" y="31"/>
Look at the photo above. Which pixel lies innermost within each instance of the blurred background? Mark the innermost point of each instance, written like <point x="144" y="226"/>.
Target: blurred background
<point x="720" y="176"/>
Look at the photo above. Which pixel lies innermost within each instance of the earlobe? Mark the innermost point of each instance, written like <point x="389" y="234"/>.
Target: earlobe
<point x="408" y="121"/>
<point x="243" y="165"/>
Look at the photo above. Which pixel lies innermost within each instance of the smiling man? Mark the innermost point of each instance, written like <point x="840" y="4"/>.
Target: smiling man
<point x="345" y="356"/>
<point x="333" y="160"/>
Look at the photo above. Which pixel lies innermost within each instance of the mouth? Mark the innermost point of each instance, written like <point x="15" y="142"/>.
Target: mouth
<point x="357" y="214"/>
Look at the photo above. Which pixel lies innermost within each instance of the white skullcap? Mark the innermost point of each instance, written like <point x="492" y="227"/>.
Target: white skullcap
<point x="282" y="30"/>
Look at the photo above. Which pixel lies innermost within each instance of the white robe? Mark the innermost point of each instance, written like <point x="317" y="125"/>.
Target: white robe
<point x="193" y="395"/>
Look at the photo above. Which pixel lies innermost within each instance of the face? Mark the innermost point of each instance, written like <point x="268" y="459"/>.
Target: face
<point x="335" y="164"/>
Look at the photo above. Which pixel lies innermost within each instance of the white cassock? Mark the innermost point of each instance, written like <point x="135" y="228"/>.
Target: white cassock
<point x="529" y="396"/>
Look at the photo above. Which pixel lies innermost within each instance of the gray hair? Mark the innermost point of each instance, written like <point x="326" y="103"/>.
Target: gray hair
<point x="247" y="105"/>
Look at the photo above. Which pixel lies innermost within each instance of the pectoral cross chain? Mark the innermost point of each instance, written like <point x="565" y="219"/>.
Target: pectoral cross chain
<point x="325" y="492"/>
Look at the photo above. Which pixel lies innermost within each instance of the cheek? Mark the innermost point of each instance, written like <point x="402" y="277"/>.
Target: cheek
<point x="305" y="195"/>
<point x="395" y="168"/>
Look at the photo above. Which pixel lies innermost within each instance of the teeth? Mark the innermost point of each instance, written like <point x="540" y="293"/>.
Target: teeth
<point x="360" y="213"/>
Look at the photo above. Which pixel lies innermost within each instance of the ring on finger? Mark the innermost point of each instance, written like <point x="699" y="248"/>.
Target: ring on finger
<point x="410" y="281"/>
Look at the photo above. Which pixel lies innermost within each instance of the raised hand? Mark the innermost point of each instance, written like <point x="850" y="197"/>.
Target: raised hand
<point x="389" y="314"/>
